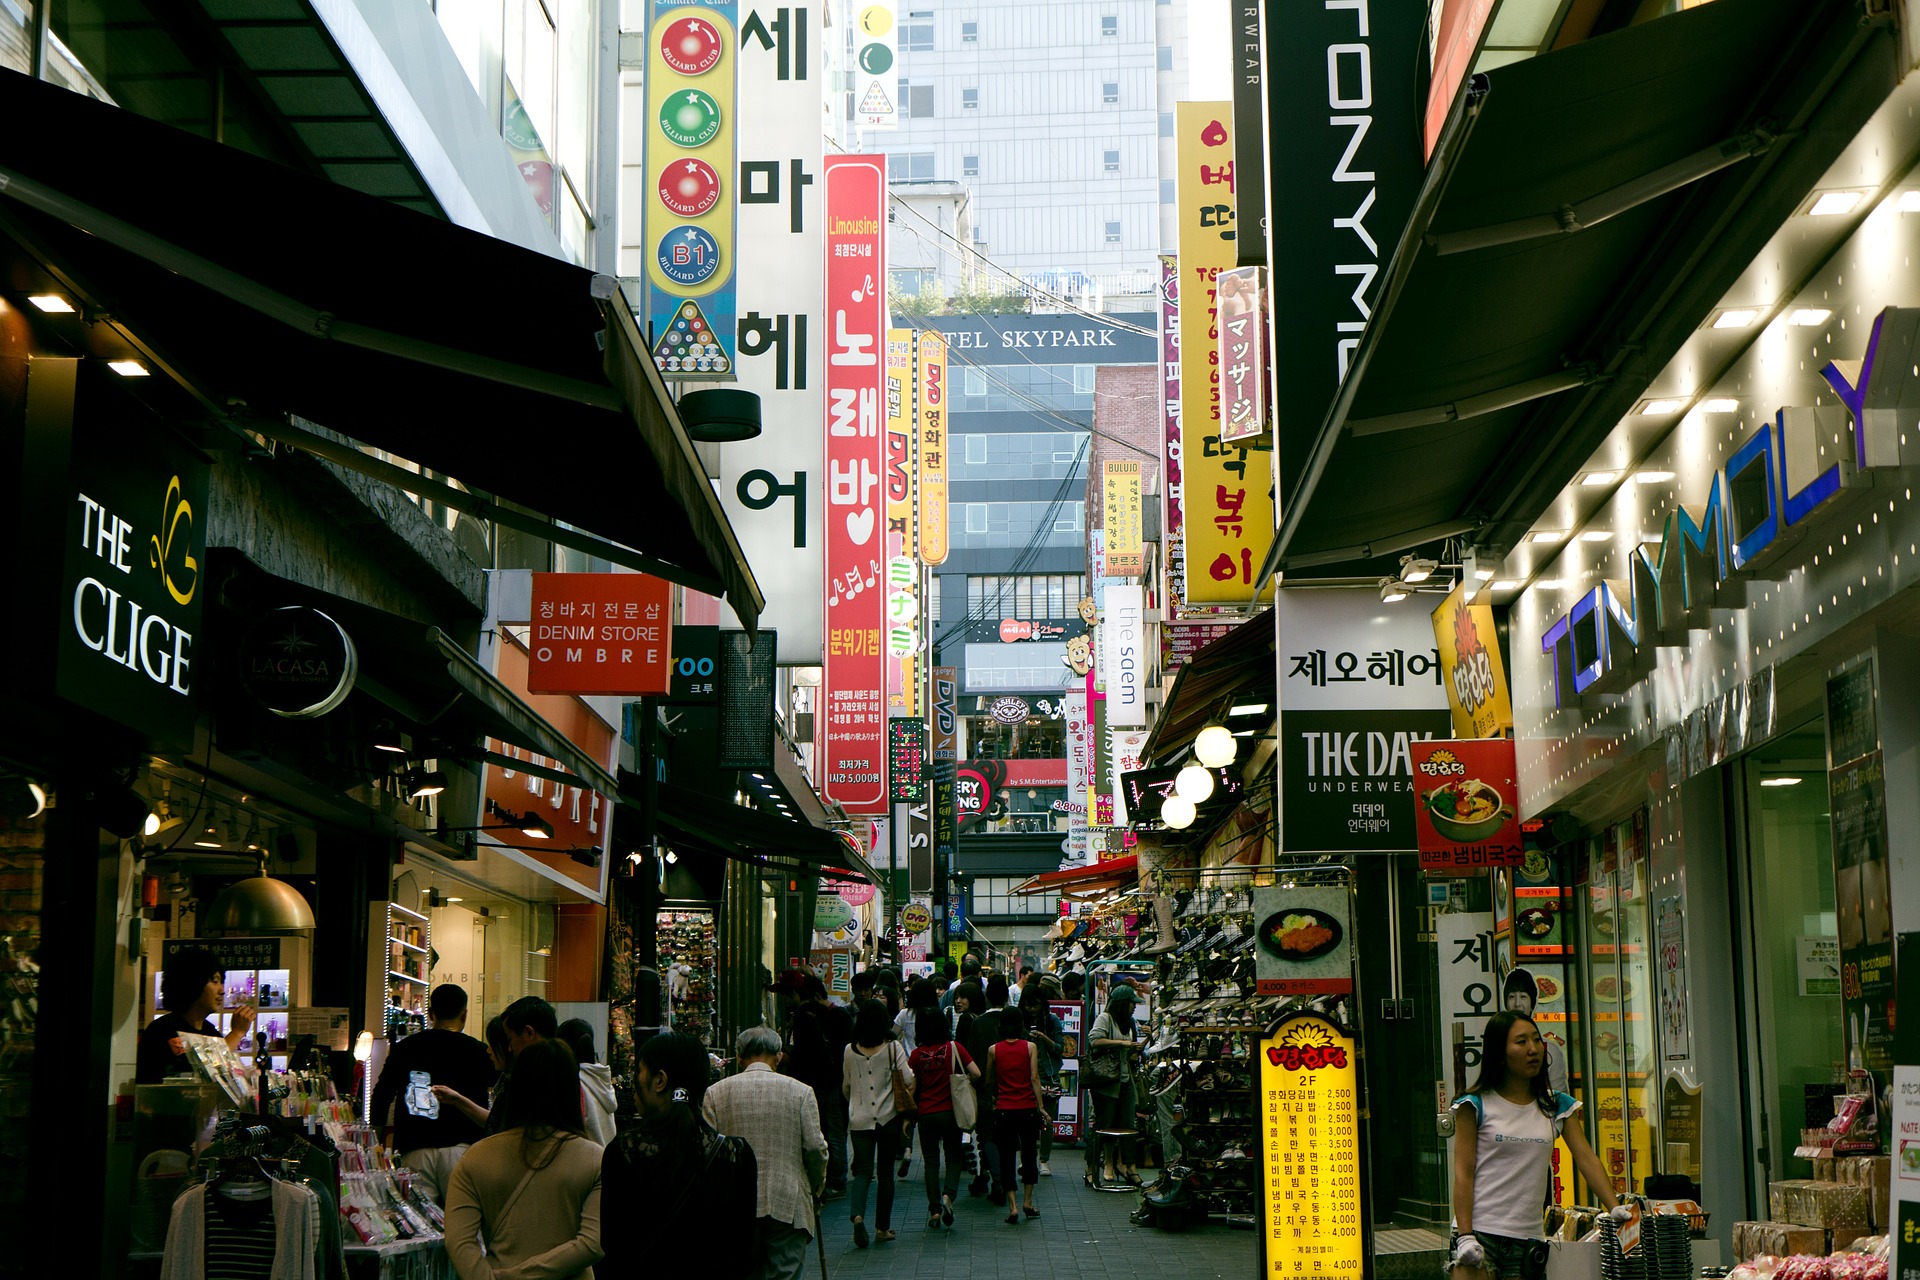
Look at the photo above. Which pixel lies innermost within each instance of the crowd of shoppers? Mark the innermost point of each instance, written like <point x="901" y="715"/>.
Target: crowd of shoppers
<point x="519" y="1134"/>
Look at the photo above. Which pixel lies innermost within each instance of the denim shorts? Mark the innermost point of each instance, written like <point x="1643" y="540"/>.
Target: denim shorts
<point x="1507" y="1258"/>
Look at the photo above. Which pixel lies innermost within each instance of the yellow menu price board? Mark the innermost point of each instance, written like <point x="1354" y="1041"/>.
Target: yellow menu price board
<point x="1311" y="1206"/>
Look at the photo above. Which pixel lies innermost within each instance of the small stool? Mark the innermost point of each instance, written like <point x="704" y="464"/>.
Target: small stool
<point x="1112" y="1138"/>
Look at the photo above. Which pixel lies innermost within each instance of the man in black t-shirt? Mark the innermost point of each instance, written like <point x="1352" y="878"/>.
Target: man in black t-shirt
<point x="192" y="987"/>
<point x="436" y="1081"/>
<point x="817" y="1040"/>
<point x="982" y="1034"/>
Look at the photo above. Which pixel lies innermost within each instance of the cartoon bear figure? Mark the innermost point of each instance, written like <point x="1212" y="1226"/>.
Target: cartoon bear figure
<point x="1079" y="654"/>
<point x="1088" y="613"/>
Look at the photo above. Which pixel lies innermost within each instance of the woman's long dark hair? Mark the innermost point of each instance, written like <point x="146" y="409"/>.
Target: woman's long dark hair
<point x="1493" y="1059"/>
<point x="543" y="1098"/>
<point x="930" y="1028"/>
<point x="872" y="1024"/>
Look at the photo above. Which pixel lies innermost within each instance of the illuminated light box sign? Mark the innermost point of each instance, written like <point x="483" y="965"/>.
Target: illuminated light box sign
<point x="1313" y="1202"/>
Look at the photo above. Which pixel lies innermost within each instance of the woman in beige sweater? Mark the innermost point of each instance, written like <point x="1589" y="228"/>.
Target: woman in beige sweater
<point x="525" y="1203"/>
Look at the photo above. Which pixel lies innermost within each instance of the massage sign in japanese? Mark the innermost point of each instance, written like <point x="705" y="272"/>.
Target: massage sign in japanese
<point x="855" y="679"/>
<point x="1313" y="1201"/>
<point x="1226" y="486"/>
<point x="1243" y="354"/>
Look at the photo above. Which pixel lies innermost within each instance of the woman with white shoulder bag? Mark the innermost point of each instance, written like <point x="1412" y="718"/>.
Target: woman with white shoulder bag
<point x="948" y="1108"/>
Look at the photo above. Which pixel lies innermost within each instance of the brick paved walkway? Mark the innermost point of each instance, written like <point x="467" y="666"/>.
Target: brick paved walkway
<point x="1080" y="1235"/>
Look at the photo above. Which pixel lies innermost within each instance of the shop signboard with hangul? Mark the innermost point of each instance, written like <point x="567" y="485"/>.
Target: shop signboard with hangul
<point x="855" y="679"/>
<point x="691" y="146"/>
<point x="1469" y="993"/>
<point x="930" y="377"/>
<point x="1079" y="726"/>
<point x="1470" y="667"/>
<point x="1314" y="1219"/>
<point x="1243" y="353"/>
<point x="1465" y="804"/>
<point x="943" y="688"/>
<point x="696" y="665"/>
<point x="1129" y="748"/>
<point x="772" y="487"/>
<point x="601" y="633"/>
<point x="902" y="534"/>
<point x="1227" y="486"/>
<point x="1172" y="486"/>
<point x="1120" y="505"/>
<point x="1359" y="685"/>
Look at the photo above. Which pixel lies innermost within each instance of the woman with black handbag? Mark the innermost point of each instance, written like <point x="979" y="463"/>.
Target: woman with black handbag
<point x="946" y="1107"/>
<point x="1111" y="1043"/>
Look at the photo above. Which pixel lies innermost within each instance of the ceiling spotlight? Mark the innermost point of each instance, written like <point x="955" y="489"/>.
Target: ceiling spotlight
<point x="51" y="303"/>
<point x="1829" y="204"/>
<point x="1655" y="408"/>
<point x="672" y="857"/>
<point x="211" y="836"/>
<point x="1392" y="590"/>
<point x="1213" y="748"/>
<point x="1598" y="479"/>
<point x="388" y="737"/>
<point x="1195" y="782"/>
<point x="1814" y="317"/>
<point x="1596" y="535"/>
<point x="425" y="782"/>
<point x="128" y="368"/>
<point x="1720" y="404"/>
<point x="1652" y="477"/>
<point x="1483" y="575"/>
<point x="1550" y="535"/>
<point x="1245" y="709"/>
<point x="1178" y="812"/>
<point x="1780" y="782"/>
<point x="1736" y="318"/>
<point x="1414" y="569"/>
<point x="1506" y="585"/>
<point x="535" y="826"/>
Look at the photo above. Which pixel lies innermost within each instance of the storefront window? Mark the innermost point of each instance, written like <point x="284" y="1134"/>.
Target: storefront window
<point x="1619" y="1054"/>
<point x="1032" y="739"/>
<point x="1026" y="811"/>
<point x="16" y="35"/>
<point x="1800" y="1048"/>
<point x="21" y="858"/>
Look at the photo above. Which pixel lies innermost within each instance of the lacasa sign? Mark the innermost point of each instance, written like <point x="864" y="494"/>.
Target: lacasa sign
<point x="1796" y="470"/>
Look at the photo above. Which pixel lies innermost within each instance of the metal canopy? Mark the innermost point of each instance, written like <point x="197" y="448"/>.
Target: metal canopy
<point x="276" y="296"/>
<point x="1603" y="200"/>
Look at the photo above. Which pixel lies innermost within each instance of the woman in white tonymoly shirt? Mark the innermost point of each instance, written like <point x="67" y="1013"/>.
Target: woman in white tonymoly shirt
<point x="1503" y="1154"/>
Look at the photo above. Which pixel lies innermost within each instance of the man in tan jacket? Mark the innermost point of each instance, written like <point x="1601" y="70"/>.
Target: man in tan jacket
<point x="780" y="1119"/>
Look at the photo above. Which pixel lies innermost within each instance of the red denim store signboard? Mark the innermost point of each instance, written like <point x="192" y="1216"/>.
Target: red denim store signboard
<point x="855" y="677"/>
<point x="600" y="633"/>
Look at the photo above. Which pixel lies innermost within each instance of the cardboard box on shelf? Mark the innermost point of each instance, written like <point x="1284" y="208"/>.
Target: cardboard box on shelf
<point x="1781" y="1239"/>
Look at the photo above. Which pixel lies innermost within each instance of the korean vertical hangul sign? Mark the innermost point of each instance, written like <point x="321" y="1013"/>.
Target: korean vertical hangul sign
<point x="689" y="235"/>
<point x="902" y="533"/>
<point x="1243" y="354"/>
<point x="1313" y="1195"/>
<point x="1175" y="558"/>
<point x="875" y="79"/>
<point x="600" y="633"/>
<point x="854" y="682"/>
<point x="772" y="487"/>
<point x="1120" y="494"/>
<point x="1227" y="486"/>
<point x="931" y="377"/>
<point x="1469" y="992"/>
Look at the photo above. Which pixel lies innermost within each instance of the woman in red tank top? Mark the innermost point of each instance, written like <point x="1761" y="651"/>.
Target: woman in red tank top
<point x="1013" y="1082"/>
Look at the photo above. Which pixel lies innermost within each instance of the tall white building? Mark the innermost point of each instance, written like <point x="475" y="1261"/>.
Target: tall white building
<point x="1051" y="114"/>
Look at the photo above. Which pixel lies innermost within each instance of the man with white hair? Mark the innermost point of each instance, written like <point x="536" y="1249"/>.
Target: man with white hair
<point x="780" y="1119"/>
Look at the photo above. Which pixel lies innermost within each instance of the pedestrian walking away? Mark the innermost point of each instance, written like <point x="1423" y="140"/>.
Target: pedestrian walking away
<point x="878" y="1083"/>
<point x="937" y="1061"/>
<point x="778" y="1117"/>
<point x="1013" y="1081"/>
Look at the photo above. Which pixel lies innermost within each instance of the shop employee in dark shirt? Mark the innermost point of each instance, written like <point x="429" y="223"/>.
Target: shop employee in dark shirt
<point x="191" y="989"/>
<point x="440" y="1079"/>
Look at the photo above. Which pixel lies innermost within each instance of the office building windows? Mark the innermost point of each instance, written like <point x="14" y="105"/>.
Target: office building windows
<point x="1027" y="596"/>
<point x="994" y="895"/>
<point x="1113" y="233"/>
<point x="1166" y="191"/>
<point x="916" y="32"/>
<point x="916" y="100"/>
<point x="910" y="166"/>
<point x="1109" y="26"/>
<point x="1110" y="161"/>
<point x="1018" y="455"/>
<point x="1110" y="91"/>
<point x="969" y="33"/>
<point x="1020" y="524"/>
<point x="969" y="99"/>
<point x="1165" y="55"/>
<point x="973" y="385"/>
<point x="1166" y="124"/>
<point x="969" y="166"/>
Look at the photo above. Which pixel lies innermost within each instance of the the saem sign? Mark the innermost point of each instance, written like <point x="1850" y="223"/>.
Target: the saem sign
<point x="1788" y="477"/>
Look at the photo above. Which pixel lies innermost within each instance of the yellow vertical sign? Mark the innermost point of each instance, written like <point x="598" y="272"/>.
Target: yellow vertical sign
<point x="1120" y="510"/>
<point x="1470" y="667"/>
<point x="903" y="570"/>
<point x="1228" y="487"/>
<point x="933" y="447"/>
<point x="1312" y="1203"/>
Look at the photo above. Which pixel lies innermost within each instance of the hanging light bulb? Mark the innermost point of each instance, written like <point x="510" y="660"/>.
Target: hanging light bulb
<point x="1193" y="783"/>
<point x="1177" y="812"/>
<point x="1215" y="747"/>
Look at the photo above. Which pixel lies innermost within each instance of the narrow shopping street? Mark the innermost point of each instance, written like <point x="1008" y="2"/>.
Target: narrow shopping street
<point x="1080" y="1234"/>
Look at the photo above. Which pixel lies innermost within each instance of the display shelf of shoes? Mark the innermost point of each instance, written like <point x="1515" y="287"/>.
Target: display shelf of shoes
<point x="686" y="941"/>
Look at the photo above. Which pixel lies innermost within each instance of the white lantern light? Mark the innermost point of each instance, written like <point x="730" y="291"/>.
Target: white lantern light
<point x="1193" y="783"/>
<point x="1178" y="812"/>
<point x="1215" y="747"/>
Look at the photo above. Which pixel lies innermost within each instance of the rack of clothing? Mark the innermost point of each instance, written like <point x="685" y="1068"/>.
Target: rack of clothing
<point x="266" y="1206"/>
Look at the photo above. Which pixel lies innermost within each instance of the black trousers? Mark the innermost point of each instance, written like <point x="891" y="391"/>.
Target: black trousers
<point x="1018" y="1130"/>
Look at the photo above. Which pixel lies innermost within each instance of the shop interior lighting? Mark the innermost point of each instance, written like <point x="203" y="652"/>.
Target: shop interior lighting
<point x="388" y="737"/>
<point x="1506" y="585"/>
<point x="1178" y="812"/>
<point x="1415" y="569"/>
<point x="451" y="901"/>
<point x="672" y="857"/>
<point x="1214" y="748"/>
<point x="1830" y="204"/>
<point x="51" y="303"/>
<point x="1255" y="708"/>
<point x="1736" y="318"/>
<point x="1392" y="590"/>
<point x="1720" y="404"/>
<point x="1909" y="202"/>
<point x="1814" y="317"/>
<point x="1596" y="535"/>
<point x="1195" y="783"/>
<point x="1652" y="477"/>
<point x="1598" y="479"/>
<point x="1785" y="780"/>
<point x="535" y="826"/>
<point x="1550" y="535"/>
<point x="128" y="368"/>
<point x="1483" y="575"/>
<point x="1656" y="408"/>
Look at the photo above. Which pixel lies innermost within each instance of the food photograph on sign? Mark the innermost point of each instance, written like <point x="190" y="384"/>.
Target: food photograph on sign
<point x="1302" y="940"/>
<point x="1464" y="804"/>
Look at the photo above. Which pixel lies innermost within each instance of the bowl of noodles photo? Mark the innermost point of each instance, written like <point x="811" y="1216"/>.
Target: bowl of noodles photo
<point x="1466" y="810"/>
